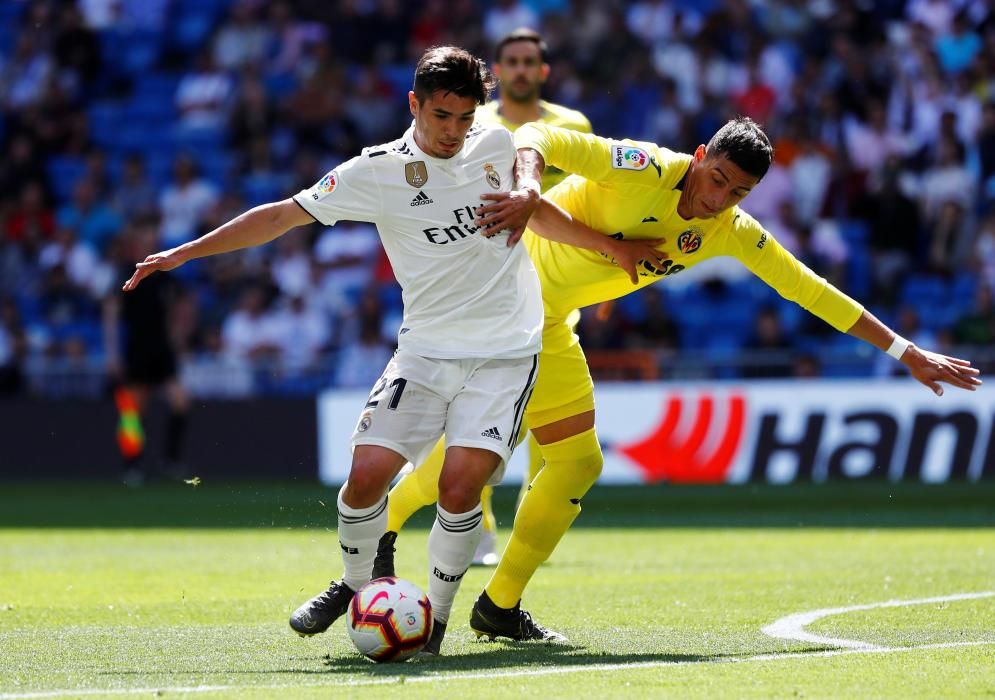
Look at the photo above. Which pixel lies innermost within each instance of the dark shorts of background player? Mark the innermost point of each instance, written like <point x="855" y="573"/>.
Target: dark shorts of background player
<point x="147" y="365"/>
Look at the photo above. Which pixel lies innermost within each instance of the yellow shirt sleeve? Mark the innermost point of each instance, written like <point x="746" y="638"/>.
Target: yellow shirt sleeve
<point x="792" y="279"/>
<point x="573" y="120"/>
<point x="615" y="163"/>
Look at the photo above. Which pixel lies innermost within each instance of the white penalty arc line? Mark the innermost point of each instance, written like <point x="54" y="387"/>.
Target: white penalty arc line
<point x="792" y="627"/>
<point x="483" y="675"/>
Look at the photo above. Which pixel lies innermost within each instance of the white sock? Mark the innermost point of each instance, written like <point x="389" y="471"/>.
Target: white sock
<point x="451" y="545"/>
<point x="360" y="530"/>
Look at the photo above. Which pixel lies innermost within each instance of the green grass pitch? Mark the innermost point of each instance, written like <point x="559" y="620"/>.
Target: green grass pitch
<point x="185" y="591"/>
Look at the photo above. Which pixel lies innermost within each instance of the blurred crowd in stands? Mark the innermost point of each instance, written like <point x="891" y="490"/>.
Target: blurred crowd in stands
<point x="129" y="126"/>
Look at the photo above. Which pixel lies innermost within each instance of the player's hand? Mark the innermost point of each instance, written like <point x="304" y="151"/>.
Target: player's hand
<point x="931" y="368"/>
<point x="166" y="260"/>
<point x="509" y="210"/>
<point x="629" y="254"/>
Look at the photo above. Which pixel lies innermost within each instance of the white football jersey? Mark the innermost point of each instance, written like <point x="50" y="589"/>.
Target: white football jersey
<point x="464" y="295"/>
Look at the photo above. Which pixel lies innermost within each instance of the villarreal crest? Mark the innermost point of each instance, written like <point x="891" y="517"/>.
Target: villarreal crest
<point x="689" y="241"/>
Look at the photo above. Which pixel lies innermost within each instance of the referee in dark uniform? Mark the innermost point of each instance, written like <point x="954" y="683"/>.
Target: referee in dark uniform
<point x="142" y="361"/>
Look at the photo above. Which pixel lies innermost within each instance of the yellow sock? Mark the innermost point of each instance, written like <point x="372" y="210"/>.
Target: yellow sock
<point x="547" y="511"/>
<point x="487" y="507"/>
<point x="416" y="490"/>
<point x="535" y="464"/>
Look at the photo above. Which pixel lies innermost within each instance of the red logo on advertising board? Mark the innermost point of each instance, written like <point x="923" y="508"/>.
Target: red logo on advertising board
<point x="663" y="456"/>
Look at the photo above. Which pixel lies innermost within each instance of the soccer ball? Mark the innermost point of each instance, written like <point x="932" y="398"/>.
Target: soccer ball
<point x="389" y="619"/>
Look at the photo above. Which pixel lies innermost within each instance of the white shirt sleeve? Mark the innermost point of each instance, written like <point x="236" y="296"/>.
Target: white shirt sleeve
<point x="350" y="191"/>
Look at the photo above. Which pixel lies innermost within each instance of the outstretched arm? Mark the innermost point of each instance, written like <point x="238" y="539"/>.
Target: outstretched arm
<point x="927" y="367"/>
<point x="793" y="280"/>
<point x="257" y="226"/>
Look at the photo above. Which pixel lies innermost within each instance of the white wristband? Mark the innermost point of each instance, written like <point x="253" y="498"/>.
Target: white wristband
<point x="529" y="183"/>
<point x="898" y="347"/>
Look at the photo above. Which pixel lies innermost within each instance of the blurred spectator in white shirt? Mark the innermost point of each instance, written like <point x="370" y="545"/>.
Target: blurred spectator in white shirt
<point x="679" y="62"/>
<point x="101" y="14"/>
<point x="346" y="255"/>
<point x="185" y="203"/>
<point x="766" y="198"/>
<point x="505" y="16"/>
<point x="291" y="266"/>
<point x="83" y="266"/>
<point x="937" y="15"/>
<point x="720" y="77"/>
<point x="811" y="172"/>
<point x="870" y="143"/>
<point x="301" y="331"/>
<point x="242" y="40"/>
<point x="247" y="333"/>
<point x="24" y="76"/>
<point x="202" y="96"/>
<point x="365" y="351"/>
<point x="135" y="196"/>
<point x="659" y="20"/>
<point x="290" y="38"/>
<point x="948" y="180"/>
<point x="963" y="102"/>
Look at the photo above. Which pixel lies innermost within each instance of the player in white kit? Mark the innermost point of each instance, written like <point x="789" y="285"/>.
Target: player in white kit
<point x="469" y="341"/>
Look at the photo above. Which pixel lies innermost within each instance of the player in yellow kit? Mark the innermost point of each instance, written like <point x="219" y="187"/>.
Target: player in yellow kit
<point x="635" y="191"/>
<point x="521" y="69"/>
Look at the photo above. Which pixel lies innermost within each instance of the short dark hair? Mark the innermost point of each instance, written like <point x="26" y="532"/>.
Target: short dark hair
<point x="743" y="142"/>
<point x="521" y="34"/>
<point x="452" y="69"/>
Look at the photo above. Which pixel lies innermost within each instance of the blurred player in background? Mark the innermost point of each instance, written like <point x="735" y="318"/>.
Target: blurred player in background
<point x="686" y="206"/>
<point x="144" y="361"/>
<point x="521" y="69"/>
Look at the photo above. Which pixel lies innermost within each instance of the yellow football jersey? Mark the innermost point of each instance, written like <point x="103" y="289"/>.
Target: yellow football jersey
<point x="552" y="114"/>
<point x="630" y="189"/>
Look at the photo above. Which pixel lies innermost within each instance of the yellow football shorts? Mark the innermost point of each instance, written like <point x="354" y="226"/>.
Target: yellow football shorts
<point x="564" y="387"/>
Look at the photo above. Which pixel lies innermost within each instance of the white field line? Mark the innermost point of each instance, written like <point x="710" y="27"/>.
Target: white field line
<point x="482" y="675"/>
<point x="793" y="626"/>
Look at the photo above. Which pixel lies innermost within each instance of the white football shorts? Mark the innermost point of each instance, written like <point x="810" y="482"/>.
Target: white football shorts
<point x="474" y="402"/>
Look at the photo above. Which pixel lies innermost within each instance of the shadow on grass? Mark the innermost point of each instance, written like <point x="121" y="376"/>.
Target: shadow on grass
<point x="286" y="505"/>
<point x="501" y="655"/>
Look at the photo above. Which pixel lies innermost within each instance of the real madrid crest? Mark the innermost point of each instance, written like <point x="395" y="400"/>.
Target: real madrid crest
<point x="416" y="173"/>
<point x="689" y="241"/>
<point x="364" y="422"/>
<point x="490" y="174"/>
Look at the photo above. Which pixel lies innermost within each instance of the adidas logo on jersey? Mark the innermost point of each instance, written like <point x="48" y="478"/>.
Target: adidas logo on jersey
<point x="420" y="199"/>
<point x="492" y="433"/>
